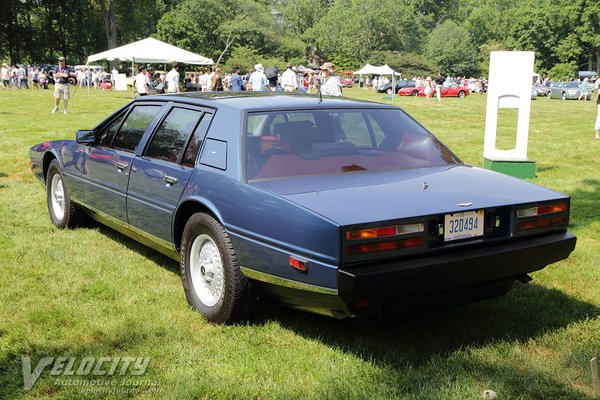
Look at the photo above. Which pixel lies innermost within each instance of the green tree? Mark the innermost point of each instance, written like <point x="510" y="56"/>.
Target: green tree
<point x="450" y="48"/>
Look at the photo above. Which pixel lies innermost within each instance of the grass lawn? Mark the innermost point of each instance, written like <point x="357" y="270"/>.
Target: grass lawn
<point x="94" y="292"/>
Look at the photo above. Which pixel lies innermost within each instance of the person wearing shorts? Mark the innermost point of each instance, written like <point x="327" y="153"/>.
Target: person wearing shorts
<point x="61" y="84"/>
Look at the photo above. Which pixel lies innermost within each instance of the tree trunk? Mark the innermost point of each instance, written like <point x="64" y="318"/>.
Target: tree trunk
<point x="598" y="61"/>
<point x="110" y="24"/>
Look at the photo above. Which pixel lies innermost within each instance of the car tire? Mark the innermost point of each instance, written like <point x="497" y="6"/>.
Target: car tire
<point x="389" y="91"/>
<point x="549" y="95"/>
<point x="461" y="94"/>
<point x="212" y="280"/>
<point x="63" y="212"/>
<point x="564" y="96"/>
<point x="414" y="93"/>
<point x="72" y="81"/>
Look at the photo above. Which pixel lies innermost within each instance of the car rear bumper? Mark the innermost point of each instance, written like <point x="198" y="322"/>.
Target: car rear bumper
<point x="451" y="272"/>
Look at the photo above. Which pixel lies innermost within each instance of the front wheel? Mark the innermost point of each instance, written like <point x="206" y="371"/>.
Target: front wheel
<point x="564" y="96"/>
<point x="461" y="94"/>
<point x="211" y="276"/>
<point x="63" y="213"/>
<point x="389" y="91"/>
<point x="414" y="93"/>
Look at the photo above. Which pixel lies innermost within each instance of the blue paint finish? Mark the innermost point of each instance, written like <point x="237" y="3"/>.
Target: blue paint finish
<point x="275" y="261"/>
<point x="106" y="177"/>
<point x="383" y="196"/>
<point x="155" y="188"/>
<point x="214" y="154"/>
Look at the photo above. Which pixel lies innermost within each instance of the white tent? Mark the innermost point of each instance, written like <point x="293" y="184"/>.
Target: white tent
<point x="381" y="70"/>
<point x="150" y="50"/>
<point x="373" y="70"/>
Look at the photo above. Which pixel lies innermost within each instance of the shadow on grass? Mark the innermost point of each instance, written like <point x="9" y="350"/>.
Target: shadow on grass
<point x="154" y="256"/>
<point x="584" y="203"/>
<point x="429" y="345"/>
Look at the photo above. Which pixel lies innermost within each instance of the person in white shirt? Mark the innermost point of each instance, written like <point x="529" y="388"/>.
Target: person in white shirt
<point x="330" y="86"/>
<point x="258" y="79"/>
<point x="4" y="76"/>
<point x="172" y="79"/>
<point x="141" y="81"/>
<point x="289" y="80"/>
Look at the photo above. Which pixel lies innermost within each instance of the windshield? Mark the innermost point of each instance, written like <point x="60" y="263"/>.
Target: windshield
<point x="327" y="142"/>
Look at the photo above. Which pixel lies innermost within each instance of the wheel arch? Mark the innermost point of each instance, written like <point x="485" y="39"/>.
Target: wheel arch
<point x="48" y="157"/>
<point x="185" y="210"/>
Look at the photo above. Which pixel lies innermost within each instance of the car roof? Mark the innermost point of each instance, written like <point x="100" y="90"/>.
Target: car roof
<point x="257" y="101"/>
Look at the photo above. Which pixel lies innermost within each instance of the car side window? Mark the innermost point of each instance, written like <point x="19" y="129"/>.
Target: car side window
<point x="108" y="133"/>
<point x="132" y="130"/>
<point x="169" y="140"/>
<point x="195" y="143"/>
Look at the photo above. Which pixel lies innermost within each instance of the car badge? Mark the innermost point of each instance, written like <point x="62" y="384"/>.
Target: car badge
<point x="464" y="204"/>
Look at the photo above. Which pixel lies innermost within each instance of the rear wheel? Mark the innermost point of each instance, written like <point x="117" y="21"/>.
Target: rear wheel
<point x="63" y="213"/>
<point x="461" y="94"/>
<point x="564" y="96"/>
<point x="389" y="91"/>
<point x="211" y="276"/>
<point x="414" y="93"/>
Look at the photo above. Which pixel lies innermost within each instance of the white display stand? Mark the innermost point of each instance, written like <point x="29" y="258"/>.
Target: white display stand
<point x="120" y="82"/>
<point x="509" y="86"/>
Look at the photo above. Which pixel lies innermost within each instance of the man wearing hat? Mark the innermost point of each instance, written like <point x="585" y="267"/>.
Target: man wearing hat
<point x="61" y="84"/>
<point x="289" y="80"/>
<point x="258" y="79"/>
<point x="330" y="85"/>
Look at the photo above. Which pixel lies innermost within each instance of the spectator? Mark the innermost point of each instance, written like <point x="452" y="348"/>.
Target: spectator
<point x="4" y="76"/>
<point x="597" y="126"/>
<point x="172" y="79"/>
<point x="258" y="79"/>
<point x="216" y="82"/>
<point x="235" y="83"/>
<point x="142" y="82"/>
<point x="439" y="82"/>
<point x="289" y="80"/>
<point x="428" y="88"/>
<point x="585" y="89"/>
<point x="61" y="84"/>
<point x="331" y="85"/>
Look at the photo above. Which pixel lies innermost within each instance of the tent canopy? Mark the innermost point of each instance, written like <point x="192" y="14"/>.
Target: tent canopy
<point x="373" y="70"/>
<point x="150" y="50"/>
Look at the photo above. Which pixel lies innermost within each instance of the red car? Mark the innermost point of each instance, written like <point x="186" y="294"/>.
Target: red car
<point x="452" y="90"/>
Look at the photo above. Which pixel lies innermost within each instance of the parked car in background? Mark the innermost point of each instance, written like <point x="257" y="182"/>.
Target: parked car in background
<point x="541" y="90"/>
<point x="566" y="91"/>
<point x="399" y="85"/>
<point x="347" y="82"/>
<point x="448" y="90"/>
<point x="338" y="207"/>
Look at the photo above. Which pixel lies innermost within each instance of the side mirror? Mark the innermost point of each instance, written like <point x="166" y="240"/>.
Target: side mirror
<point x="85" y="137"/>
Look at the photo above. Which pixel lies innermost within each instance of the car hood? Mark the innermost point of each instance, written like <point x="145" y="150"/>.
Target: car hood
<point x="380" y="196"/>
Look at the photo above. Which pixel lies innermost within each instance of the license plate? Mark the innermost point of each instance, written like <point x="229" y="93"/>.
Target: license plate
<point x="463" y="225"/>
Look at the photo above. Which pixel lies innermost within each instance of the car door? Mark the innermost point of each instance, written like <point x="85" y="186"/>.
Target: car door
<point x="108" y="164"/>
<point x="160" y="174"/>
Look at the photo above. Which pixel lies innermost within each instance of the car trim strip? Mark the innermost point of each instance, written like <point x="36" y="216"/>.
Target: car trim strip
<point x="276" y="280"/>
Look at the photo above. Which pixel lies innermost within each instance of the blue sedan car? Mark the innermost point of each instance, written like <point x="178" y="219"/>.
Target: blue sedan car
<point x="338" y="207"/>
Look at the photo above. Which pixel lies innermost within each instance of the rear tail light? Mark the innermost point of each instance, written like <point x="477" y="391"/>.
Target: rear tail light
<point x="364" y="241"/>
<point x="544" y="217"/>
<point x="541" y="210"/>
<point x="373" y="233"/>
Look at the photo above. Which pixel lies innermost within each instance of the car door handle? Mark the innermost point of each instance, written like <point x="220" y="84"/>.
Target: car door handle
<point x="170" y="180"/>
<point x="120" y="167"/>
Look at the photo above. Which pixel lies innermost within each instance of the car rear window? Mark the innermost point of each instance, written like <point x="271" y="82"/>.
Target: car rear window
<point x="327" y="142"/>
